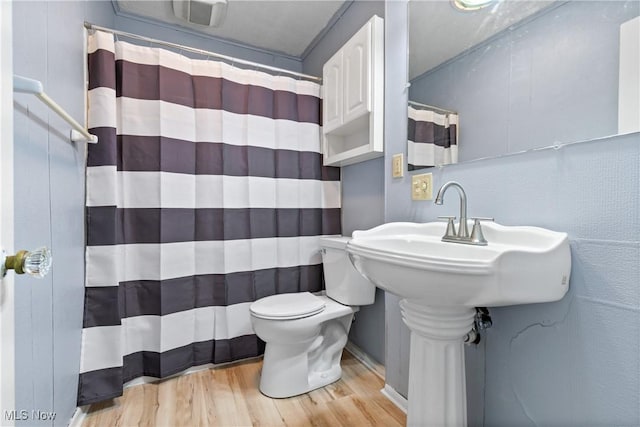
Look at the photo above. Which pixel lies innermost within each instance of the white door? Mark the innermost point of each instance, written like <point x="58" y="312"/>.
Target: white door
<point x="7" y="348"/>
<point x="357" y="75"/>
<point x="332" y="95"/>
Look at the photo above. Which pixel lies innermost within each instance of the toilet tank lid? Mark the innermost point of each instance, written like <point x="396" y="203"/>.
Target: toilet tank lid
<point x="337" y="242"/>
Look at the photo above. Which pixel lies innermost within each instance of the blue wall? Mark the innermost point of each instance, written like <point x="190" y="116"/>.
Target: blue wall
<point x="553" y="79"/>
<point x="573" y="362"/>
<point x="49" y="179"/>
<point x="362" y="203"/>
<point x="49" y="200"/>
<point x="163" y="31"/>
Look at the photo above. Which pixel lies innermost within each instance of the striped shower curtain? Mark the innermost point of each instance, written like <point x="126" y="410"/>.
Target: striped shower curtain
<point x="433" y="138"/>
<point x="205" y="193"/>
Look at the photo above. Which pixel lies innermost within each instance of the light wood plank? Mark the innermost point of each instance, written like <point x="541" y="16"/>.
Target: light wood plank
<point x="229" y="396"/>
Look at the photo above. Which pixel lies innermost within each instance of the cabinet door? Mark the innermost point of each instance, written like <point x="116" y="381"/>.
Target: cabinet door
<point x="357" y="75"/>
<point x="332" y="96"/>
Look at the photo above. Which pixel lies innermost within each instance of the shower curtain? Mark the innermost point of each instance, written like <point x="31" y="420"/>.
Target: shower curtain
<point x="205" y="192"/>
<point x="433" y="138"/>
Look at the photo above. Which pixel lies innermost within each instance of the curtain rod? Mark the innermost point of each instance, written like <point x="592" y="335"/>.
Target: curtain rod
<point x="438" y="109"/>
<point x="90" y="26"/>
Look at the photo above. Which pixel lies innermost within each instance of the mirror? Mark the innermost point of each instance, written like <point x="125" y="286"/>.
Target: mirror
<point x="518" y="74"/>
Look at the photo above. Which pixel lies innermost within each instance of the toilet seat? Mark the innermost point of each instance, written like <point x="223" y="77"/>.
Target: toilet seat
<point x="287" y="306"/>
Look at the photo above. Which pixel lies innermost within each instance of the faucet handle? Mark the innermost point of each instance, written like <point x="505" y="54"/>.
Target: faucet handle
<point x="481" y="218"/>
<point x="451" y="227"/>
<point x="477" y="237"/>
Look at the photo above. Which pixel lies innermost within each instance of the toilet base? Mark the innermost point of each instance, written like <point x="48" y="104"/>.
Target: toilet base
<point x="292" y="369"/>
<point x="290" y="377"/>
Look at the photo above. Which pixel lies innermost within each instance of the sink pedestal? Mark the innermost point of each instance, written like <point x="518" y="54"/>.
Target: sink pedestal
<point x="437" y="389"/>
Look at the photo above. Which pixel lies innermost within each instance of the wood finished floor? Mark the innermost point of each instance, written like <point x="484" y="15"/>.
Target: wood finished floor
<point x="229" y="396"/>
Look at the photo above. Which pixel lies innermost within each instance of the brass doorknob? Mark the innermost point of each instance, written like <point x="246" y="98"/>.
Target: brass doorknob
<point x="35" y="263"/>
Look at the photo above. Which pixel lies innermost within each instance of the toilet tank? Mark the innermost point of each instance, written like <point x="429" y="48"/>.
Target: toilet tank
<point x="342" y="281"/>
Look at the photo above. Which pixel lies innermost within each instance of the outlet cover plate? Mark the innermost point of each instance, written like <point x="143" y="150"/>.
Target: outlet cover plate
<point x="422" y="187"/>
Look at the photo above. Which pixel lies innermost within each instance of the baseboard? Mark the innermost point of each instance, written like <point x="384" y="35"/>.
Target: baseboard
<point x="378" y="369"/>
<point x="78" y="416"/>
<point x="365" y="359"/>
<point x="395" y="397"/>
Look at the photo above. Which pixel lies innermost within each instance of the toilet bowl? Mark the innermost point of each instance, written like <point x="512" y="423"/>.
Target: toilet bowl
<point x="306" y="333"/>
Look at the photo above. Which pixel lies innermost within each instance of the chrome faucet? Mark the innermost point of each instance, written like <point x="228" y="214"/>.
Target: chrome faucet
<point x="463" y="231"/>
<point x="462" y="235"/>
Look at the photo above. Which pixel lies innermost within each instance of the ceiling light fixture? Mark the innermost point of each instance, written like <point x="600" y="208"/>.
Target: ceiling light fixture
<point x="471" y="4"/>
<point x="209" y="13"/>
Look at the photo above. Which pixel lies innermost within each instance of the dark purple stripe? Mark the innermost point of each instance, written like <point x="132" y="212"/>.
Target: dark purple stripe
<point x="99" y="385"/>
<point x="108" y="225"/>
<point x="105" y="306"/>
<point x="105" y="152"/>
<point x="96" y="386"/>
<point x="102" y="72"/>
<point x="156" y="153"/>
<point x="161" y="365"/>
<point x="154" y="82"/>
<point x="431" y="133"/>
<point x="102" y="306"/>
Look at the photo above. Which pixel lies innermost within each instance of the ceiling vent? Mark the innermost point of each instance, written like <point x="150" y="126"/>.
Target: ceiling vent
<point x="209" y="13"/>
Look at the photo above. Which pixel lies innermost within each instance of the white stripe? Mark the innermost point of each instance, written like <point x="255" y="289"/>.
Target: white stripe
<point x="433" y="117"/>
<point x="453" y="151"/>
<point x="101" y="348"/>
<point x="102" y="108"/>
<point x="153" y="117"/>
<point x="100" y="40"/>
<point x="212" y="68"/>
<point x="162" y="333"/>
<point x="173" y="190"/>
<point x="102" y="186"/>
<point x="159" y="118"/>
<point x="161" y="261"/>
<point x="431" y="154"/>
<point x="255" y="131"/>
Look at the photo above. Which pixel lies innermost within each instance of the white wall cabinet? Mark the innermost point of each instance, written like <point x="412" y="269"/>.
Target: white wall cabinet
<point x="353" y="98"/>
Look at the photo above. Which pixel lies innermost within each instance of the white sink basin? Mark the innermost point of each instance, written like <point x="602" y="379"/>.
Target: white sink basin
<point x="520" y="265"/>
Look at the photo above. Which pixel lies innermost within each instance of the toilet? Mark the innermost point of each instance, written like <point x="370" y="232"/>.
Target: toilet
<point x="304" y="332"/>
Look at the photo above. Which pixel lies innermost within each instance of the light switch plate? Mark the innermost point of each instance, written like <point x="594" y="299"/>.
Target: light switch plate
<point x="397" y="169"/>
<point x="422" y="187"/>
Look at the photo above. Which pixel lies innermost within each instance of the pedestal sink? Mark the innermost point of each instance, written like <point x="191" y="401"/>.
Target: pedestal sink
<point x="441" y="283"/>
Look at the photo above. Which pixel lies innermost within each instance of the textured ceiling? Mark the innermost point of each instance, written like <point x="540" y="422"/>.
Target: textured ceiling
<point x="280" y="26"/>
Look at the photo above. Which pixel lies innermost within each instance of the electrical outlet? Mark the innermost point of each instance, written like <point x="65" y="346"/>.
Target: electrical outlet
<point x="397" y="171"/>
<point x="421" y="187"/>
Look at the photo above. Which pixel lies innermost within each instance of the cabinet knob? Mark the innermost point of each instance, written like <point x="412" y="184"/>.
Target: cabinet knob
<point x="35" y="263"/>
